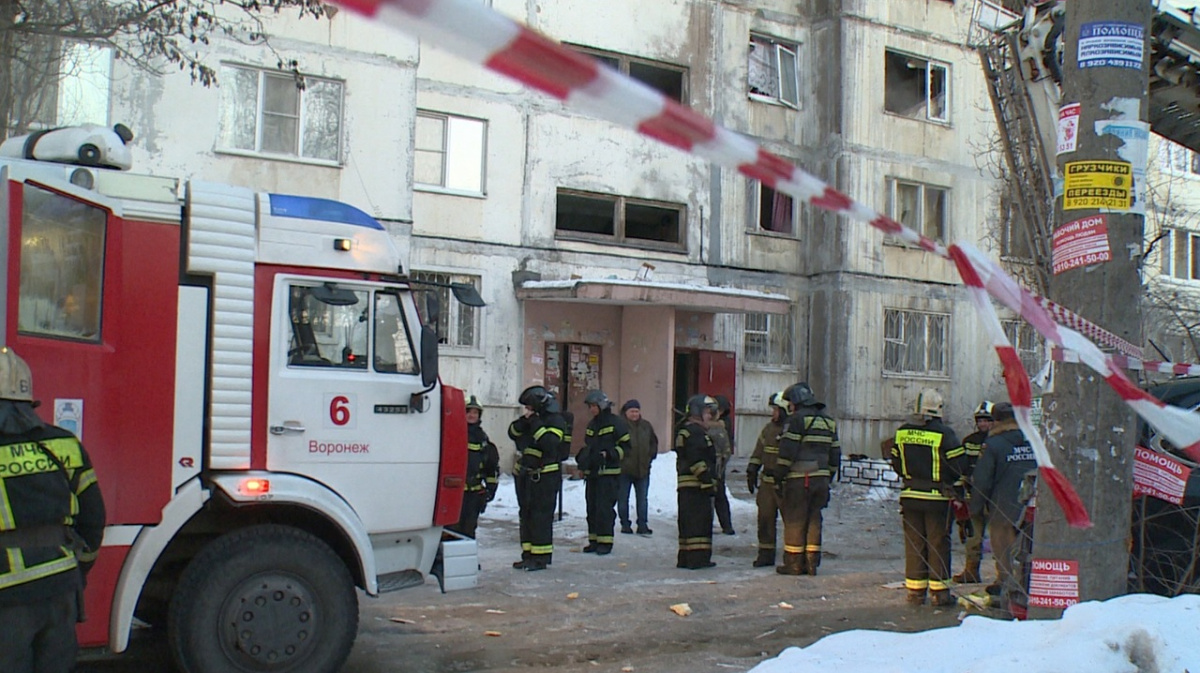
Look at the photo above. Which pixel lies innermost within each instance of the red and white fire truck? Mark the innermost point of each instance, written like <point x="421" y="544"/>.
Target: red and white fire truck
<point x="258" y="394"/>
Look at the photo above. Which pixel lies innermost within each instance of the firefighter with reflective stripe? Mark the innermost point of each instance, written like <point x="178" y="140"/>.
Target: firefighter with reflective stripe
<point x="971" y="529"/>
<point x="929" y="459"/>
<point x="51" y="525"/>
<point x="718" y="429"/>
<point x="764" y="460"/>
<point x="809" y="456"/>
<point x="604" y="447"/>
<point x="539" y="470"/>
<point x="695" y="467"/>
<point x="483" y="471"/>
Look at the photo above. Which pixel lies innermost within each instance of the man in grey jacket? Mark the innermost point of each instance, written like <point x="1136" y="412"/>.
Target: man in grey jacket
<point x="1007" y="457"/>
<point x="635" y="468"/>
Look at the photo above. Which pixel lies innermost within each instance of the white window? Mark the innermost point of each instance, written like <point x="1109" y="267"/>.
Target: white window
<point x="276" y="113"/>
<point x="770" y="339"/>
<point x="919" y="207"/>
<point x="772" y="71"/>
<point x="769" y="210"/>
<point x="1177" y="159"/>
<point x="916" y="87"/>
<point x="75" y="90"/>
<point x="1027" y="342"/>
<point x="450" y="152"/>
<point x="1179" y="254"/>
<point x="458" y="324"/>
<point x="915" y="342"/>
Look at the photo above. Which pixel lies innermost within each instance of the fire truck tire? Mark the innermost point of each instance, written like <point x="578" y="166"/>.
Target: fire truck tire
<point x="263" y="598"/>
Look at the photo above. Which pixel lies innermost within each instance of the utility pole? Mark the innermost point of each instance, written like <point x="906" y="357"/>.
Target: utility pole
<point x="1090" y="432"/>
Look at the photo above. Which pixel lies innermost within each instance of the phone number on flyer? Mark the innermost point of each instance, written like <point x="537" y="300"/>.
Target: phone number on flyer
<point x="1048" y="602"/>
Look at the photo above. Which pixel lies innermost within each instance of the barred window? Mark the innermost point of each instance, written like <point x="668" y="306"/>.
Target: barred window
<point x="916" y="342"/>
<point x="1027" y="342"/>
<point x="458" y="324"/>
<point x="770" y="339"/>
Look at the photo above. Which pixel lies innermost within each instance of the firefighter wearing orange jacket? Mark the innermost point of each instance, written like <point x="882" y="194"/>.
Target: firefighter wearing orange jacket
<point x="809" y="457"/>
<point x="764" y="459"/>
<point x="695" y="470"/>
<point x="51" y="524"/>
<point x="929" y="459"/>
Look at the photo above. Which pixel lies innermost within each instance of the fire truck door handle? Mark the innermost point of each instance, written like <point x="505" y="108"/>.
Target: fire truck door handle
<point x="288" y="426"/>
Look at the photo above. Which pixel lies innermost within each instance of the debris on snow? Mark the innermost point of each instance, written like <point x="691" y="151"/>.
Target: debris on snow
<point x="401" y="620"/>
<point x="493" y="611"/>
<point x="786" y="605"/>
<point x="681" y="609"/>
<point x="573" y="595"/>
<point x="493" y="634"/>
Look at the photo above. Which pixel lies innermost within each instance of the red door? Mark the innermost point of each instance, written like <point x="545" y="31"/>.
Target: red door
<point x="718" y="376"/>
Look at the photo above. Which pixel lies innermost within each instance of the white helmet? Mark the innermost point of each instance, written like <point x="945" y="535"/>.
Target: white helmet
<point x="16" y="381"/>
<point x="778" y="400"/>
<point x="929" y="403"/>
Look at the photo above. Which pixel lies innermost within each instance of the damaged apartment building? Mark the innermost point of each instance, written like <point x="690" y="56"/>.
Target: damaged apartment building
<point x="611" y="261"/>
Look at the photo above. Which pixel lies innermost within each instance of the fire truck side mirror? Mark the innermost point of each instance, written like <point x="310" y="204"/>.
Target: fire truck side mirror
<point x="429" y="356"/>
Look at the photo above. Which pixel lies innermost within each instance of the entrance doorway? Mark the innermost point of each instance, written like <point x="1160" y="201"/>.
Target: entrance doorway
<point x="571" y="370"/>
<point x="709" y="372"/>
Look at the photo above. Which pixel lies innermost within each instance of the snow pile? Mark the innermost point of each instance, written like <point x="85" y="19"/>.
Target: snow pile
<point x="1140" y="632"/>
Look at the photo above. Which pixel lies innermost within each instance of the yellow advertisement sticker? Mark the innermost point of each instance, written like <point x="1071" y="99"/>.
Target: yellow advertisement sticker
<point x="1098" y="184"/>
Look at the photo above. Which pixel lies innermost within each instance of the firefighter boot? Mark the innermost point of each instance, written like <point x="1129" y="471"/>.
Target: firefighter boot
<point x="970" y="573"/>
<point x="814" y="560"/>
<point x="940" y="598"/>
<point x="603" y="549"/>
<point x="915" y="597"/>
<point x="766" y="557"/>
<point x="520" y="565"/>
<point x="793" y="564"/>
<point x="536" y="563"/>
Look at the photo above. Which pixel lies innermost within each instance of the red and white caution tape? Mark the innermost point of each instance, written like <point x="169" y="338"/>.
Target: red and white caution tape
<point x="1065" y="316"/>
<point x="480" y="35"/>
<point x="1134" y="364"/>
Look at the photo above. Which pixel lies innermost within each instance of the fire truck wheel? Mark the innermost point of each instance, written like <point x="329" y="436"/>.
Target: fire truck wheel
<point x="264" y="598"/>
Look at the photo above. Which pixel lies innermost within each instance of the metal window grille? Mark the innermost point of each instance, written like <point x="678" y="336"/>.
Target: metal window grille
<point x="770" y="339"/>
<point x="915" y="342"/>
<point x="458" y="324"/>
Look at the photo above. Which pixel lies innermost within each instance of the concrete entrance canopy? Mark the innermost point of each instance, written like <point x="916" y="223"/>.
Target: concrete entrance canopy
<point x="699" y="298"/>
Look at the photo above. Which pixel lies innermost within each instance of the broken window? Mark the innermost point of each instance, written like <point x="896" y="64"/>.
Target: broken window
<point x="772" y="72"/>
<point x="769" y="339"/>
<point x="620" y="219"/>
<point x="667" y="78"/>
<point x="915" y="342"/>
<point x="450" y="152"/>
<point x="269" y="112"/>
<point x="916" y="87"/>
<point x="919" y="207"/>
<point x="769" y="210"/>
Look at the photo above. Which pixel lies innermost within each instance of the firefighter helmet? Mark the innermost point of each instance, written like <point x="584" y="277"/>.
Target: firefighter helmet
<point x="778" y="400"/>
<point x="800" y="394"/>
<point x="929" y="403"/>
<point x="16" y="381"/>
<point x="473" y="403"/>
<point x="696" y="405"/>
<point x="536" y="398"/>
<point x="598" y="398"/>
<point x="984" y="410"/>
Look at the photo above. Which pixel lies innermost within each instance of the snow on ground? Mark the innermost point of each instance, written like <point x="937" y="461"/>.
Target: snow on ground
<point x="1143" y="633"/>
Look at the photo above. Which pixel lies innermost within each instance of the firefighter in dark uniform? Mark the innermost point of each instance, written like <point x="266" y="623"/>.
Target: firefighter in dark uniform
<point x="764" y="460"/>
<point x="971" y="529"/>
<point x="539" y="471"/>
<point x="695" y="469"/>
<point x="929" y="460"/>
<point x="809" y="456"/>
<point x="605" y="444"/>
<point x="483" y="471"/>
<point x="51" y="525"/>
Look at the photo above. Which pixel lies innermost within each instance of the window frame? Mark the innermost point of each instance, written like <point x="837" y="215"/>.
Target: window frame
<point x="1177" y="160"/>
<point x="618" y="237"/>
<point x="1172" y="257"/>
<point x="224" y="147"/>
<point x="780" y="47"/>
<point x="781" y="358"/>
<point x="754" y="192"/>
<point x="893" y="203"/>
<point x="448" y="118"/>
<point x="624" y="60"/>
<point x="930" y="65"/>
<point x="451" y="309"/>
<point x="903" y="342"/>
<point x="1020" y="333"/>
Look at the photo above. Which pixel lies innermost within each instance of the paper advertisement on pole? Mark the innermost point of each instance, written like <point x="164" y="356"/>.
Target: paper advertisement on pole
<point x="1111" y="44"/>
<point x="1068" y="127"/>
<point x="1098" y="184"/>
<point x="1136" y="151"/>
<point x="1053" y="583"/>
<point x="1080" y="243"/>
<point x="1159" y="476"/>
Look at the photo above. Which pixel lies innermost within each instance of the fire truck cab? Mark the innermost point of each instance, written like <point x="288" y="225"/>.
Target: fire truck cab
<point x="253" y="382"/>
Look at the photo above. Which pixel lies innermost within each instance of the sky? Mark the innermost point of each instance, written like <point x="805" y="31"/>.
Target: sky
<point x="1130" y="634"/>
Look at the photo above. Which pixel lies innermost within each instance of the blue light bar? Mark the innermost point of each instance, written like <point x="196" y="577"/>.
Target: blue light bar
<point x="312" y="208"/>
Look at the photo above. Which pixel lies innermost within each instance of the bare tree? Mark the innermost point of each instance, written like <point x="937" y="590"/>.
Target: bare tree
<point x="154" y="36"/>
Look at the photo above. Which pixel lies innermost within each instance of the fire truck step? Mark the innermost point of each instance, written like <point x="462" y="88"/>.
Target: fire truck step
<point x="400" y="580"/>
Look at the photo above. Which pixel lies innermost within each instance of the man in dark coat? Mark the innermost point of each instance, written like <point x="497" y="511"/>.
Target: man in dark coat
<point x="1007" y="457"/>
<point x="635" y="468"/>
<point x="483" y="471"/>
<point x="695" y="467"/>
